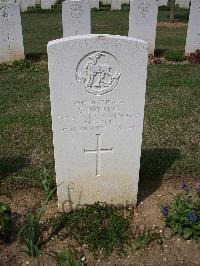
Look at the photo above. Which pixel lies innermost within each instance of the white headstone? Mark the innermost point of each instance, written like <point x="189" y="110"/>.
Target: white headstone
<point x="162" y="2"/>
<point x="46" y="4"/>
<point x="106" y="2"/>
<point x="31" y="3"/>
<point x="97" y="85"/>
<point x="7" y="1"/>
<point x="143" y="21"/>
<point x="76" y="17"/>
<point x="11" y="39"/>
<point x="24" y="5"/>
<point x="94" y="4"/>
<point x="193" y="32"/>
<point x="116" y="5"/>
<point x="125" y="2"/>
<point x="183" y="3"/>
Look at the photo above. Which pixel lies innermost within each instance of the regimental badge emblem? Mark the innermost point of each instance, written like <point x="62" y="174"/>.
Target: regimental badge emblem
<point x="76" y="11"/>
<point x="144" y="9"/>
<point x="98" y="73"/>
<point x="5" y="13"/>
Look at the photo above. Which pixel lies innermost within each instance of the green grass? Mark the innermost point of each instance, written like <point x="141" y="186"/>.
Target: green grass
<point x="39" y="27"/>
<point x="101" y="227"/>
<point x="170" y="140"/>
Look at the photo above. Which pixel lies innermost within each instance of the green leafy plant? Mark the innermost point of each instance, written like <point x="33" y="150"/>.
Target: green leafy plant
<point x="145" y="240"/>
<point x="175" y="56"/>
<point x="5" y="221"/>
<point x="68" y="258"/>
<point x="31" y="232"/>
<point x="3" y="66"/>
<point x="99" y="226"/>
<point x="183" y="216"/>
<point x="47" y="183"/>
<point x="22" y="64"/>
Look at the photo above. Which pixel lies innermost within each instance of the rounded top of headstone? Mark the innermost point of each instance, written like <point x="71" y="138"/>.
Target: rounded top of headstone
<point x="98" y="36"/>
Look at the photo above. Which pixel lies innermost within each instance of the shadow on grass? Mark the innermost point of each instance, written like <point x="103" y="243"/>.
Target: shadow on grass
<point x="160" y="52"/>
<point x="182" y="16"/>
<point x="154" y="164"/>
<point x="10" y="165"/>
<point x="36" y="56"/>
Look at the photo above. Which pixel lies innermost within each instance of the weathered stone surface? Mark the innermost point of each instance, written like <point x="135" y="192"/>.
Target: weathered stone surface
<point x="76" y="17"/>
<point x="97" y="87"/>
<point x="11" y="39"/>
<point x="193" y="32"/>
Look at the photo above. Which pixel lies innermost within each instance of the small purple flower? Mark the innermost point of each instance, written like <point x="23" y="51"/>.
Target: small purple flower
<point x="165" y="212"/>
<point x="198" y="190"/>
<point x="185" y="186"/>
<point x="192" y="217"/>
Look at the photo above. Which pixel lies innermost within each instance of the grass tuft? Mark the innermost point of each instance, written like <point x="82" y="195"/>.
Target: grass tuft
<point x="99" y="226"/>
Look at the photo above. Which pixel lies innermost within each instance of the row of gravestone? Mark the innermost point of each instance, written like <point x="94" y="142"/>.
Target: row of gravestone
<point x="76" y="20"/>
<point x="115" y="4"/>
<point x="24" y="4"/>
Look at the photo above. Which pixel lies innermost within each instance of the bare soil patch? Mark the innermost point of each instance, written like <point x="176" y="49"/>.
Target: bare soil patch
<point x="147" y="216"/>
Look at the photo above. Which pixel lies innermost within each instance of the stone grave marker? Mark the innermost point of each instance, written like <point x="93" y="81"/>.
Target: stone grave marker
<point x="193" y="32"/>
<point x="183" y="3"/>
<point x="143" y="20"/>
<point x="7" y="1"/>
<point x="31" y="3"/>
<point x="94" y="4"/>
<point x="46" y="4"/>
<point x="24" y="5"/>
<point x="76" y="17"/>
<point x="97" y="88"/>
<point x="116" y="5"/>
<point x="11" y="39"/>
<point x="106" y="2"/>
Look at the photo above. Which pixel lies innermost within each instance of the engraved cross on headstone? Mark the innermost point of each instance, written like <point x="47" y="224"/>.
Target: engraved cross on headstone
<point x="98" y="152"/>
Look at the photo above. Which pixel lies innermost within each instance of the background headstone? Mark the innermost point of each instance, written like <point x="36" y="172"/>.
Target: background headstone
<point x="116" y="5"/>
<point x="106" y="2"/>
<point x="97" y="87"/>
<point x="193" y="32"/>
<point x="183" y="3"/>
<point x="76" y="17"/>
<point x="24" y="5"/>
<point x="11" y="39"/>
<point x="94" y="4"/>
<point x="46" y="4"/>
<point x="162" y="2"/>
<point x="125" y="2"/>
<point x="143" y="21"/>
<point x="31" y="3"/>
<point x="7" y="1"/>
